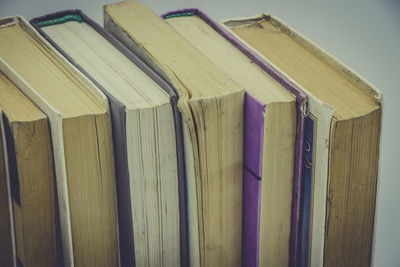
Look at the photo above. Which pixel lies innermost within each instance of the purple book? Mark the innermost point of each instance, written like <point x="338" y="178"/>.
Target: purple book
<point x="253" y="151"/>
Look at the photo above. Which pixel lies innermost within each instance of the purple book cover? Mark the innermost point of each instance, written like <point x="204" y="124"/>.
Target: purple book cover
<point x="254" y="126"/>
<point x="253" y="144"/>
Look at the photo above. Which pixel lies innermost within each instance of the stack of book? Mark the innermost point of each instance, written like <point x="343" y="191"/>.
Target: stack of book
<point x="178" y="141"/>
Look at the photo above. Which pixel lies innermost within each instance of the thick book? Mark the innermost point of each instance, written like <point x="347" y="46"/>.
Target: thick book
<point x="140" y="101"/>
<point x="30" y="176"/>
<point x="81" y="138"/>
<point x="346" y="115"/>
<point x="212" y="113"/>
<point x="273" y="140"/>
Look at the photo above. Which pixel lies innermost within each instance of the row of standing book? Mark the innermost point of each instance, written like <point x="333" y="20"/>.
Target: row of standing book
<point x="178" y="141"/>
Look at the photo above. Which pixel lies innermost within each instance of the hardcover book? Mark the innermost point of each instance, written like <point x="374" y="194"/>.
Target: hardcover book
<point x="7" y="248"/>
<point x="212" y="113"/>
<point x="346" y="114"/>
<point x="81" y="137"/>
<point x="30" y="176"/>
<point x="148" y="141"/>
<point x="273" y="140"/>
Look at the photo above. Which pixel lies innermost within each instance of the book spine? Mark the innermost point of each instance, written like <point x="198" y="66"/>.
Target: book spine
<point x="306" y="193"/>
<point x="253" y="144"/>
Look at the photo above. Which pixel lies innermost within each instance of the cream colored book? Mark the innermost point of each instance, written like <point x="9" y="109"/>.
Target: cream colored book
<point x="212" y="112"/>
<point x="273" y="205"/>
<point x="347" y="113"/>
<point x="144" y="138"/>
<point x="30" y="175"/>
<point x="81" y="138"/>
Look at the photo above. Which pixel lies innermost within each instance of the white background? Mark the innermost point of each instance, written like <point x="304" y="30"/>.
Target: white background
<point x="365" y="35"/>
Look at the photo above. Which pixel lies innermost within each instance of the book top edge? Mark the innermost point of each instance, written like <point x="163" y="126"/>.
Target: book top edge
<point x="313" y="47"/>
<point x="79" y="16"/>
<point x="301" y="97"/>
<point x="92" y="90"/>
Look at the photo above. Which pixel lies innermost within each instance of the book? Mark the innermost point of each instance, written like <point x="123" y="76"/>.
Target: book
<point x="7" y="248"/>
<point x="143" y="108"/>
<point x="273" y="140"/>
<point x="81" y="137"/>
<point x="212" y="113"/>
<point x="30" y="175"/>
<point x="346" y="114"/>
